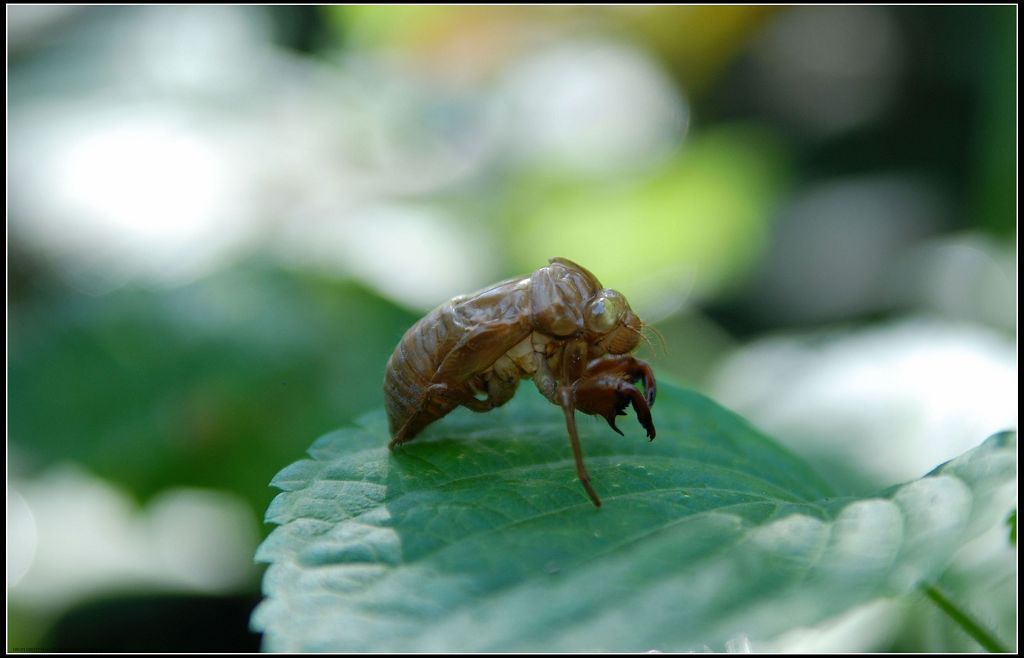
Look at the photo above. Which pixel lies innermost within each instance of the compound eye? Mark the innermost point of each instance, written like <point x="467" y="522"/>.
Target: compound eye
<point x="604" y="313"/>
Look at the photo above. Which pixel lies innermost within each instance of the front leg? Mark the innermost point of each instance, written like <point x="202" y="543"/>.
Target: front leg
<point x="607" y="388"/>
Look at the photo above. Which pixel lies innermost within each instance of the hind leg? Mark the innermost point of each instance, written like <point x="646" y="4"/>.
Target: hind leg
<point x="439" y="399"/>
<point x="499" y="391"/>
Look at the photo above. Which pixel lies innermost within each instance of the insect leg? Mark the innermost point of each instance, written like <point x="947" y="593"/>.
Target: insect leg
<point x="650" y="386"/>
<point x="565" y="396"/>
<point x="499" y="391"/>
<point x="640" y="406"/>
<point x="545" y="380"/>
<point x="574" y="360"/>
<point x="607" y="388"/>
<point x="625" y="368"/>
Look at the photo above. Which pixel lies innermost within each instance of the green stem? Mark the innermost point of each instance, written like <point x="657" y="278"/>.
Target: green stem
<point x="971" y="627"/>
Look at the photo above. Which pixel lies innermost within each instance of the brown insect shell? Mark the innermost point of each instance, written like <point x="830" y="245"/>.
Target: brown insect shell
<point x="473" y="351"/>
<point x="449" y="354"/>
<point x="559" y="293"/>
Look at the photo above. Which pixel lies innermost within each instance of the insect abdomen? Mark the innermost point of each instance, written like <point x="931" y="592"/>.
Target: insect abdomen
<point x="412" y="367"/>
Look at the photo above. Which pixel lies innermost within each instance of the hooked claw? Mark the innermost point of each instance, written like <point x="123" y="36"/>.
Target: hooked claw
<point x="607" y="388"/>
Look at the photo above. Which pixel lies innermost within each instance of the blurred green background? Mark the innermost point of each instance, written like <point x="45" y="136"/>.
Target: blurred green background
<point x="222" y="219"/>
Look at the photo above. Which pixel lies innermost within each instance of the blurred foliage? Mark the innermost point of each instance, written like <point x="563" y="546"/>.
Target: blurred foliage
<point x="219" y="382"/>
<point x="701" y="218"/>
<point x="26" y="629"/>
<point x="995" y="180"/>
<point x="210" y="384"/>
<point x="696" y="43"/>
<point x="953" y="117"/>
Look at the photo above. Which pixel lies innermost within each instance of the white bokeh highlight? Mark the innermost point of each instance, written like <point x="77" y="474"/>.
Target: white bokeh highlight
<point x="891" y="402"/>
<point x="90" y="537"/>
<point x="593" y="108"/>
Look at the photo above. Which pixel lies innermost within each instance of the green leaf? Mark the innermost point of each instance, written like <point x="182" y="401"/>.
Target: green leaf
<point x="478" y="537"/>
